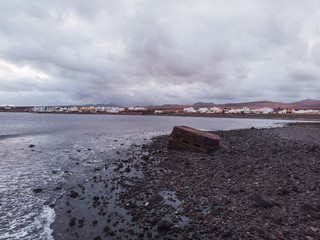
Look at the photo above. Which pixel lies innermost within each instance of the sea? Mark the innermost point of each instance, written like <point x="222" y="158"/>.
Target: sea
<point x="40" y="153"/>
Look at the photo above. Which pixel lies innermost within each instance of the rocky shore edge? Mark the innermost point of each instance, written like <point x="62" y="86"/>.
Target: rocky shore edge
<point x="265" y="185"/>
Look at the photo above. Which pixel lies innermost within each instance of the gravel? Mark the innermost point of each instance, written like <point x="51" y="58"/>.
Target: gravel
<point x="265" y="185"/>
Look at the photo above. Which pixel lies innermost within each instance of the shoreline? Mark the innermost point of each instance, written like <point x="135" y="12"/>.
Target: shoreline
<point x="293" y="117"/>
<point x="265" y="185"/>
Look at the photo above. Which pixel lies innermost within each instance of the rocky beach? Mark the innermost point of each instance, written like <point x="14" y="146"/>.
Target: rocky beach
<point x="265" y="185"/>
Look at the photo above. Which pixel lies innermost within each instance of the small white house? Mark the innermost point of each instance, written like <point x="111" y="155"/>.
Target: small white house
<point x="158" y="112"/>
<point x="302" y="111"/>
<point x="230" y="111"/>
<point x="215" y="110"/>
<point x="190" y="110"/>
<point x="114" y="109"/>
<point x="238" y="110"/>
<point x="203" y="110"/>
<point x="100" y="109"/>
<point x="137" y="109"/>
<point x="316" y="111"/>
<point x="73" y="109"/>
<point x="284" y="111"/>
<point x="266" y="110"/>
<point x="246" y="110"/>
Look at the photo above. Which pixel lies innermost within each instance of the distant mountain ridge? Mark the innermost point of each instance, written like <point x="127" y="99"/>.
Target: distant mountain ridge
<point x="303" y="104"/>
<point x="307" y="102"/>
<point x="99" y="105"/>
<point x="202" y="104"/>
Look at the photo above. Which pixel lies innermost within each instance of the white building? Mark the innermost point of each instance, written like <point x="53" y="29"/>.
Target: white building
<point x="284" y="111"/>
<point x="203" y="110"/>
<point x="246" y="110"/>
<point x="137" y="109"/>
<point x="158" y="112"/>
<point x="238" y="110"/>
<point x="190" y="110"/>
<point x="266" y="110"/>
<point x="230" y="111"/>
<point x="73" y="109"/>
<point x="303" y="111"/>
<point x="37" y="109"/>
<point x="215" y="110"/>
<point x="100" y="109"/>
<point x="114" y="109"/>
<point x="316" y="111"/>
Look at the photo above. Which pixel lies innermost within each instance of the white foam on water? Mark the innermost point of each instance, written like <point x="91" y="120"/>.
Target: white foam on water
<point x="38" y="229"/>
<point x="50" y="215"/>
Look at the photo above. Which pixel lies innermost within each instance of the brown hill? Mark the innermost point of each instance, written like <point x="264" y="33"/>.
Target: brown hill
<point x="304" y="104"/>
<point x="253" y="105"/>
<point x="307" y="103"/>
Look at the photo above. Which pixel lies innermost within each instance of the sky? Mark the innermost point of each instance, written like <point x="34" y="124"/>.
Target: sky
<point x="148" y="52"/>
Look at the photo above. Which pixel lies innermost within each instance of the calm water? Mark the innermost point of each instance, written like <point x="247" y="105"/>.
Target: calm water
<point x="67" y="150"/>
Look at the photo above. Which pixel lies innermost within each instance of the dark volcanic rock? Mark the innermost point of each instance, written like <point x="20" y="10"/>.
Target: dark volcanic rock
<point x="186" y="138"/>
<point x="72" y="222"/>
<point x="73" y="194"/>
<point x="164" y="226"/>
<point x="155" y="199"/>
<point x="37" y="190"/>
<point x="261" y="201"/>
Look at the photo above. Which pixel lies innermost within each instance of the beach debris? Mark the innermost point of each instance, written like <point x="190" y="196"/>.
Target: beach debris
<point x="187" y="138"/>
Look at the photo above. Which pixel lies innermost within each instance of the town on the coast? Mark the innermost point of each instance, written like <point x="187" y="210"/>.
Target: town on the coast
<point x="308" y="108"/>
<point x="152" y="110"/>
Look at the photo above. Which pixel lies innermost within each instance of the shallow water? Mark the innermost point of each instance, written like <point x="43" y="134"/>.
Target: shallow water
<point x="54" y="152"/>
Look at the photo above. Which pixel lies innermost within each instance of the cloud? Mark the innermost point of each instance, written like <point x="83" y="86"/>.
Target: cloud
<point x="146" y="52"/>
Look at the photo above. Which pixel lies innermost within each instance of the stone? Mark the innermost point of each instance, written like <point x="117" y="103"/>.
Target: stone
<point x="181" y="237"/>
<point x="72" y="222"/>
<point x="261" y="201"/>
<point x="187" y="138"/>
<point x="231" y="226"/>
<point x="155" y="199"/>
<point x="37" y="190"/>
<point x="73" y="194"/>
<point x="164" y="226"/>
<point x="153" y="220"/>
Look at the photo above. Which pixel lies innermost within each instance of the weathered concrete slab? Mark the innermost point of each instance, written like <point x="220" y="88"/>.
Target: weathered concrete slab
<point x="187" y="138"/>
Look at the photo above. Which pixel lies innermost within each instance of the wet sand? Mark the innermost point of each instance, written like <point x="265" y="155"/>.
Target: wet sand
<point x="266" y="185"/>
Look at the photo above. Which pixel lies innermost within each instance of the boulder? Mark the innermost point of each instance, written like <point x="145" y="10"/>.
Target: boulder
<point x="187" y="138"/>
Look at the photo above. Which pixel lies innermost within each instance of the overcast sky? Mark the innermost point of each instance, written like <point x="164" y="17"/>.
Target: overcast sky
<point x="141" y="52"/>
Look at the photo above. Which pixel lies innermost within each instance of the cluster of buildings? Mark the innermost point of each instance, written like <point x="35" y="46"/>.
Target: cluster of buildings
<point x="91" y="109"/>
<point x="217" y="110"/>
<point x="265" y="110"/>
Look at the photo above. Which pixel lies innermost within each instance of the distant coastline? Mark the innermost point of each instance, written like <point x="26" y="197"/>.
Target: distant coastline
<point x="290" y="116"/>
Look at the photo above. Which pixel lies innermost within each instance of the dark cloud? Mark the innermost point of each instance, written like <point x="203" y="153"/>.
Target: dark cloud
<point x="148" y="52"/>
